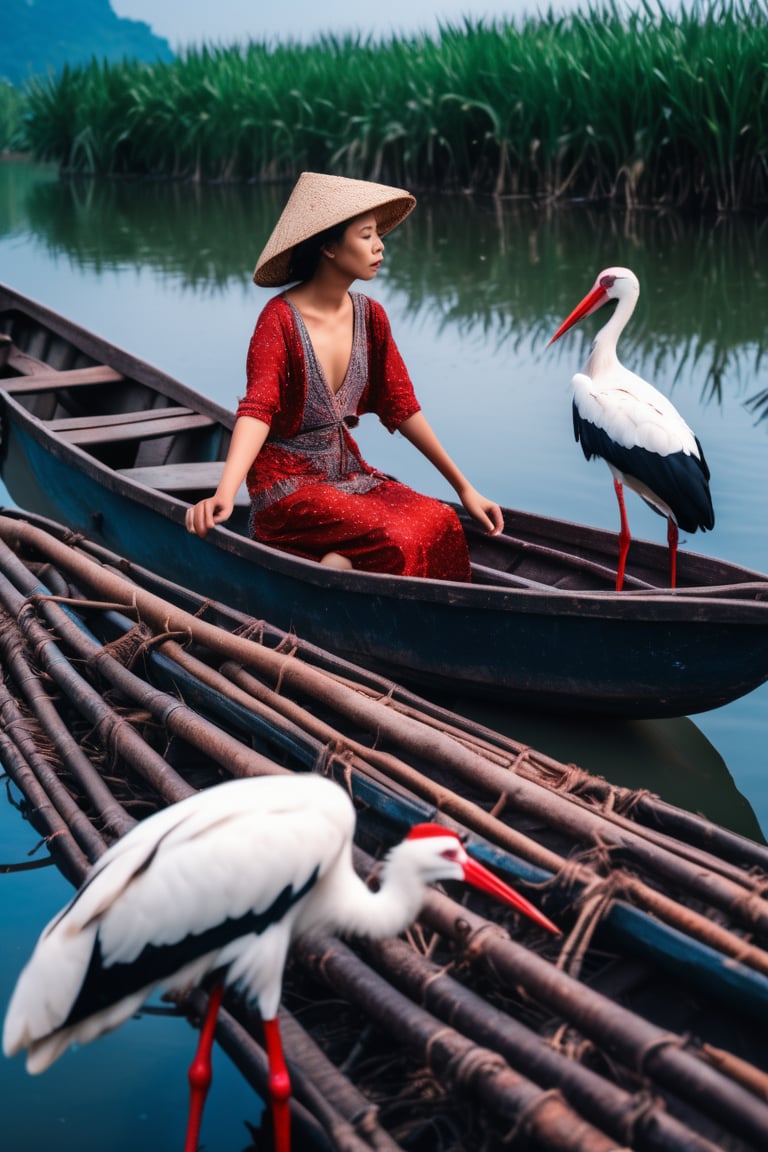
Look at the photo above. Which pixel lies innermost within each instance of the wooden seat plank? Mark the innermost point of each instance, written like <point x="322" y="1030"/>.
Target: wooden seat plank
<point x="178" y="477"/>
<point x="187" y="476"/>
<point x="106" y="419"/>
<point x="123" y="429"/>
<point x="70" y="378"/>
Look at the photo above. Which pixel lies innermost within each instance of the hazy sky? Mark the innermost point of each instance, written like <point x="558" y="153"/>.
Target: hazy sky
<point x="185" y="22"/>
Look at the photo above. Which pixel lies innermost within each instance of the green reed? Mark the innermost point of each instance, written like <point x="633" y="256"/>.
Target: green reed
<point x="11" y="118"/>
<point x="642" y="109"/>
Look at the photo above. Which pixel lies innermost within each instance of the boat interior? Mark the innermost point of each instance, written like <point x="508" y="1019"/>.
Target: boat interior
<point x="126" y="424"/>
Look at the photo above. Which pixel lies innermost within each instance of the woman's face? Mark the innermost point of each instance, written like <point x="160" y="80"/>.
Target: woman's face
<point x="360" y="251"/>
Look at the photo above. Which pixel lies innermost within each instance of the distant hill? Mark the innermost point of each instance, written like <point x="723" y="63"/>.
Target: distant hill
<point x="40" y="36"/>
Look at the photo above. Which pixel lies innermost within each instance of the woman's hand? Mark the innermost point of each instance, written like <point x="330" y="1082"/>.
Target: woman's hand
<point x="247" y="441"/>
<point x="486" y="512"/>
<point x="204" y="515"/>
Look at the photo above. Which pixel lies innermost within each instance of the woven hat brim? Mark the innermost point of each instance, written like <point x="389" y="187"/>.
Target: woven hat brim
<point x="319" y="202"/>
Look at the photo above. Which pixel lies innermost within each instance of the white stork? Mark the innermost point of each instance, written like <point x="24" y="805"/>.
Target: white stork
<point x="215" y="888"/>
<point x="627" y="422"/>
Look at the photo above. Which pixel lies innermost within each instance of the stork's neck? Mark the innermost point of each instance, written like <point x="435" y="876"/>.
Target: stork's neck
<point x="603" y="354"/>
<point x="361" y="911"/>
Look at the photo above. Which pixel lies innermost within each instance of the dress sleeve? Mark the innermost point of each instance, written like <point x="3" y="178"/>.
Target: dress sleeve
<point x="271" y="364"/>
<point x="389" y="393"/>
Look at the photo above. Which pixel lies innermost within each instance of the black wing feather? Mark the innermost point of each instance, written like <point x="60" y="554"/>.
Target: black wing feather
<point x="680" y="481"/>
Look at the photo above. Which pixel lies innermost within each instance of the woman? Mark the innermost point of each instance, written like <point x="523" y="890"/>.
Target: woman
<point x="319" y="358"/>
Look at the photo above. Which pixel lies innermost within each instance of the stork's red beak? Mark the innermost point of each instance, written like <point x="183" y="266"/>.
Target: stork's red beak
<point x="481" y="878"/>
<point x="591" y="302"/>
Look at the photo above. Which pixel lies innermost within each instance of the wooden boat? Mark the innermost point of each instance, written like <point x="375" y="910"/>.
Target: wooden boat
<point x="640" y="1028"/>
<point x="98" y="439"/>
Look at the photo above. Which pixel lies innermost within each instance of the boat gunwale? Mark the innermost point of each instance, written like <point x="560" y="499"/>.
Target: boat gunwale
<point x="662" y="603"/>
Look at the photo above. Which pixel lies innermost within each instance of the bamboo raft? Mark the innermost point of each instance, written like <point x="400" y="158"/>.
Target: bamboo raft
<point x="122" y="692"/>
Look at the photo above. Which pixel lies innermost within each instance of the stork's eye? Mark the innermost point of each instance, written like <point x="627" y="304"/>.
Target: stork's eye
<point x="452" y="854"/>
<point x="607" y="281"/>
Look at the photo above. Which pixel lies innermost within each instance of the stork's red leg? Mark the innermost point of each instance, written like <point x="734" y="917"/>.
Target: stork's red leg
<point x="200" y="1073"/>
<point x="279" y="1086"/>
<point x="624" y="536"/>
<point x="672" y="538"/>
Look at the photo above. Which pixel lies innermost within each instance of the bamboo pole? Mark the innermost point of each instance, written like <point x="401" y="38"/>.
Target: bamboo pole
<point x="32" y="687"/>
<point x="520" y="1109"/>
<point x="649" y="812"/>
<point x="171" y="713"/>
<point x="696" y="925"/>
<point x="356" y="1121"/>
<point x="19" y="732"/>
<point x="62" y="845"/>
<point x="584" y="825"/>
<point x="637" y="1043"/>
<point x="568" y="779"/>
<point x="631" y="1119"/>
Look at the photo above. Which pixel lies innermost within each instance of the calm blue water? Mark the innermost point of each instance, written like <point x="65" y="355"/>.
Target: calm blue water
<point x="473" y="292"/>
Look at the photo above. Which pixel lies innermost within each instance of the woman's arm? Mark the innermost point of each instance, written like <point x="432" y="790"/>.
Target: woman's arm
<point x="248" y="438"/>
<point x="418" y="432"/>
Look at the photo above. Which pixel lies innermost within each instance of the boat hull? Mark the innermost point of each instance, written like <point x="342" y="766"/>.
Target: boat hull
<point x="585" y="652"/>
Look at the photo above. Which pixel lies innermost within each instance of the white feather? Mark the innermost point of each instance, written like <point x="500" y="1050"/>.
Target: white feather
<point x="209" y="858"/>
<point x="632" y="412"/>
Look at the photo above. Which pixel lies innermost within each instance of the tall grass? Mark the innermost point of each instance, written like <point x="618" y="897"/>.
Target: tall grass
<point x="11" y="118"/>
<point x="648" y="109"/>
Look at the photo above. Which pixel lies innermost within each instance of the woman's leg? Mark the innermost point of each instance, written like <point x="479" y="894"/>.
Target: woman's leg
<point x="389" y="529"/>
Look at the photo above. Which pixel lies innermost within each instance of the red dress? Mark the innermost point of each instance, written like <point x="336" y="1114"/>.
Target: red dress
<point x="311" y="491"/>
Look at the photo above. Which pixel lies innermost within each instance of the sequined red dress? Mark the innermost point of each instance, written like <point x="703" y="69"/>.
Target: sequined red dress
<point x="311" y="491"/>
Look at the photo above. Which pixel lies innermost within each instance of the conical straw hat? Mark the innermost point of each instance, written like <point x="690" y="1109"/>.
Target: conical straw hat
<point x="319" y="202"/>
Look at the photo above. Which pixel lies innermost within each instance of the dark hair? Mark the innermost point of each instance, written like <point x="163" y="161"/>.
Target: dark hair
<point x="306" y="255"/>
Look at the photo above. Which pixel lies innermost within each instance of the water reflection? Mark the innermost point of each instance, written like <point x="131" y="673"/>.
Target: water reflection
<point x="515" y="272"/>
<point x="507" y="271"/>
<point x="181" y="230"/>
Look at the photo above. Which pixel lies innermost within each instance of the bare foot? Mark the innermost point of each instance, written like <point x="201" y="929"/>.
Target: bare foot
<point x="336" y="560"/>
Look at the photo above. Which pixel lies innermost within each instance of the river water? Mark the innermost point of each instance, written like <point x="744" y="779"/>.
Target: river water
<point x="474" y="290"/>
